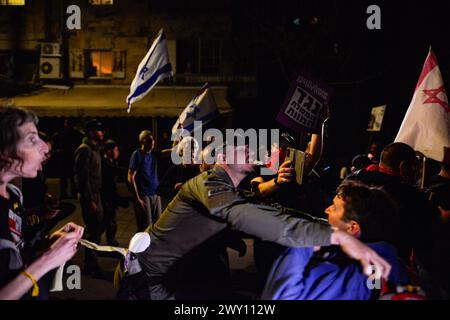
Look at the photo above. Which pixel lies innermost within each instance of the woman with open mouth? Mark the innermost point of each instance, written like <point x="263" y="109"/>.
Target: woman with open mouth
<point x="21" y="155"/>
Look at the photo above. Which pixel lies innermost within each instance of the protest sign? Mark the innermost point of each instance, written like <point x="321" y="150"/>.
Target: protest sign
<point x="376" y="118"/>
<point x="304" y="105"/>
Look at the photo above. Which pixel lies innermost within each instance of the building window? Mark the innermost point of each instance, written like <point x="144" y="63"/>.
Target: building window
<point x="101" y="2"/>
<point x="187" y="56"/>
<point x="119" y="64"/>
<point x="214" y="57"/>
<point x="210" y="51"/>
<point x="199" y="56"/>
<point x="12" y="2"/>
<point x="99" y="63"/>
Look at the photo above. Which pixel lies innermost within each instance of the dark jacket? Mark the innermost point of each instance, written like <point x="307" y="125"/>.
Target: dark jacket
<point x="203" y="210"/>
<point x="110" y="172"/>
<point x="88" y="170"/>
<point x="417" y="217"/>
<point x="439" y="191"/>
<point x="175" y="174"/>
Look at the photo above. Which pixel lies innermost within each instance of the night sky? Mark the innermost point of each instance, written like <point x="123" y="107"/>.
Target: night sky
<point x="365" y="67"/>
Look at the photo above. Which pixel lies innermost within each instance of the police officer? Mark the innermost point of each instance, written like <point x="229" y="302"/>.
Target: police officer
<point x="202" y="213"/>
<point x="88" y="179"/>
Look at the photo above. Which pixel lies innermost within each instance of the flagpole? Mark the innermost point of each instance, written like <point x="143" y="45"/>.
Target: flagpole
<point x="422" y="183"/>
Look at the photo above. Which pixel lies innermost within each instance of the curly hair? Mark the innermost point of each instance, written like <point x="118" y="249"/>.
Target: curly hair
<point x="372" y="208"/>
<point x="11" y="118"/>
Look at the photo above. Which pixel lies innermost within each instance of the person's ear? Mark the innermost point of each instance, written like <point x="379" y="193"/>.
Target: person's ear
<point x="221" y="158"/>
<point x="403" y="167"/>
<point x="406" y="170"/>
<point x="354" y="228"/>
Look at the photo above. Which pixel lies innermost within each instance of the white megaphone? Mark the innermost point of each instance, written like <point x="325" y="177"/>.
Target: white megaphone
<point x="139" y="243"/>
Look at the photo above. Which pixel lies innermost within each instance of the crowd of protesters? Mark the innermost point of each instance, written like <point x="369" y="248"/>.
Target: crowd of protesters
<point x="315" y="240"/>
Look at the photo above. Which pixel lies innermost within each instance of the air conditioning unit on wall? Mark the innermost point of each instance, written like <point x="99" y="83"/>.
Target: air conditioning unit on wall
<point x="50" y="68"/>
<point x="50" y="49"/>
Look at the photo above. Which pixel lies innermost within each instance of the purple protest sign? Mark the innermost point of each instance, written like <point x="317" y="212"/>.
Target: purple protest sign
<point x="304" y="104"/>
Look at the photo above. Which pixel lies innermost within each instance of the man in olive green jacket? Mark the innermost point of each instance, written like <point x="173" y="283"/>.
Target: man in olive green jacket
<point x="202" y="213"/>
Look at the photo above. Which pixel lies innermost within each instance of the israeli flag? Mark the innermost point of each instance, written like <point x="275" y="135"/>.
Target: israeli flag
<point x="154" y="67"/>
<point x="202" y="107"/>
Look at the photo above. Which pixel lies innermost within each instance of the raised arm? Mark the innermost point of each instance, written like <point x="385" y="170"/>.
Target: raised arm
<point x="271" y="224"/>
<point x="267" y="188"/>
<point x="315" y="146"/>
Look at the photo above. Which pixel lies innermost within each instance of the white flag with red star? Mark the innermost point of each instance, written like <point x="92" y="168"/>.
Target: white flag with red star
<point x="426" y="126"/>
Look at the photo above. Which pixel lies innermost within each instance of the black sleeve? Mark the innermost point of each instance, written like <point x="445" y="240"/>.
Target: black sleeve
<point x="81" y="171"/>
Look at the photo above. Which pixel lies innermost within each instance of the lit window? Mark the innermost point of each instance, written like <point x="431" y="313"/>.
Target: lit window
<point x="12" y="2"/>
<point x="100" y="64"/>
<point x="100" y="2"/>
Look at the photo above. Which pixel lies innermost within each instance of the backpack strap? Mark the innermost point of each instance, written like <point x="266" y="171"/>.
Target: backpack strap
<point x="16" y="191"/>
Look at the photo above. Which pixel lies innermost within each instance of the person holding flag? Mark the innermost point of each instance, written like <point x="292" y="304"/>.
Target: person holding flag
<point x="154" y="67"/>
